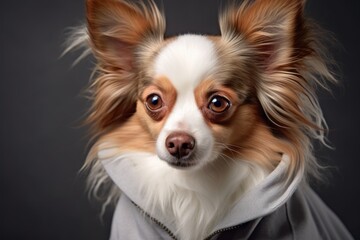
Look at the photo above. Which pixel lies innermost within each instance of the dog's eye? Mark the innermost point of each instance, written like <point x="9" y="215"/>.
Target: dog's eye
<point x="154" y="102"/>
<point x="219" y="104"/>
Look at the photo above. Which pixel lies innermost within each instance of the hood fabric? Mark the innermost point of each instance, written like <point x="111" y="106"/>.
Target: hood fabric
<point x="270" y="210"/>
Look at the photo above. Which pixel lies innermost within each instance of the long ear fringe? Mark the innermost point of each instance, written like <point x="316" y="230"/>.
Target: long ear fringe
<point x="99" y="185"/>
<point x="77" y="40"/>
<point x="113" y="93"/>
<point x="287" y="89"/>
<point x="290" y="101"/>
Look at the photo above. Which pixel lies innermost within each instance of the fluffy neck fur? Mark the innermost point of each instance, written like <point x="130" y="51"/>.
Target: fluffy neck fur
<point x="191" y="201"/>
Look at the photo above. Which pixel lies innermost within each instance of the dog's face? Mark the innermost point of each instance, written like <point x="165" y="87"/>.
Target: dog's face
<point x="192" y="115"/>
<point x="190" y="100"/>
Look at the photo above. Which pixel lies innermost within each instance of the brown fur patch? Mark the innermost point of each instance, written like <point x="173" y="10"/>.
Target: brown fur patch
<point x="163" y="87"/>
<point x="140" y="131"/>
<point x="243" y="135"/>
<point x="209" y="88"/>
<point x="130" y="136"/>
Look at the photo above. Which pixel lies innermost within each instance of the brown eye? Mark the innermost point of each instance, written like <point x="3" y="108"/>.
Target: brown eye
<point x="219" y="104"/>
<point x="154" y="102"/>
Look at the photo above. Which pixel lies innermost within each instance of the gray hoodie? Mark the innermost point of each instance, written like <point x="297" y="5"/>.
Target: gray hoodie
<point x="271" y="210"/>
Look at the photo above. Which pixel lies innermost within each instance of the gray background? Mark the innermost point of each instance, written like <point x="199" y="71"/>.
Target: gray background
<point x="42" y="143"/>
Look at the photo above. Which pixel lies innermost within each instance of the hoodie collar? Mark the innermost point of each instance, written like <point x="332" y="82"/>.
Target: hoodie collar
<point x="264" y="198"/>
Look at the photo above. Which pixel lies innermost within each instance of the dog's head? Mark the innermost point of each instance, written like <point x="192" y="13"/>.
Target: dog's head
<point x="246" y="94"/>
<point x="194" y="110"/>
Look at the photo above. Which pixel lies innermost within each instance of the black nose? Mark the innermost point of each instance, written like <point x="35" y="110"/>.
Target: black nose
<point x="180" y="144"/>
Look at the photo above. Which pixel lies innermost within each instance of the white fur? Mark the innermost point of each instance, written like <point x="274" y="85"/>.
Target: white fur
<point x="186" y="62"/>
<point x="192" y="201"/>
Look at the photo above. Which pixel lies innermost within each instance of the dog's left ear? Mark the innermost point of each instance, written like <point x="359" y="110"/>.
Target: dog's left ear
<point x="286" y="52"/>
<point x="268" y="26"/>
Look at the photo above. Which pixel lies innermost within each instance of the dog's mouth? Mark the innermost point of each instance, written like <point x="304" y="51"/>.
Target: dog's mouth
<point x="181" y="163"/>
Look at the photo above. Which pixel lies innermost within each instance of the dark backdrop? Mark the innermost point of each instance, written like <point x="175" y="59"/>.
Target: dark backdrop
<point x="41" y="108"/>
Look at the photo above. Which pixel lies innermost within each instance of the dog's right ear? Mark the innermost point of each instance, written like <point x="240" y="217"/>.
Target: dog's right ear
<point x="117" y="27"/>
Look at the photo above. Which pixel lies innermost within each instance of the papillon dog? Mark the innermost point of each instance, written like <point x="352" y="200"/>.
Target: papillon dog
<point x="186" y="126"/>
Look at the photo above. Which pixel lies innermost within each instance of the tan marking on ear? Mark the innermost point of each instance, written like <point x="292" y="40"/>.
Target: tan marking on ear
<point x="268" y="26"/>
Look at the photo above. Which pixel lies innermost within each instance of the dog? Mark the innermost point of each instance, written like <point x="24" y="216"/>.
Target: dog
<point x="208" y="137"/>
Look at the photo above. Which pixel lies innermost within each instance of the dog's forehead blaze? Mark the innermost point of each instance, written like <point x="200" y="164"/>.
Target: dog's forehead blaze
<point x="186" y="60"/>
